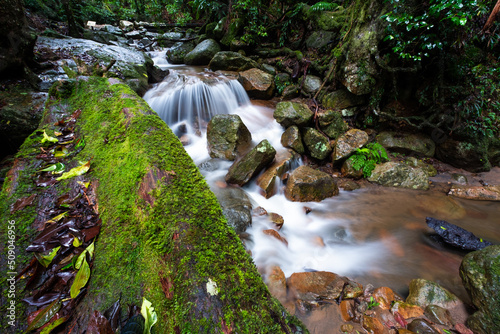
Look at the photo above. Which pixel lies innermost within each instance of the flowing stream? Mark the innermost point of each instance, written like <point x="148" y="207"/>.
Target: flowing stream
<point x="373" y="235"/>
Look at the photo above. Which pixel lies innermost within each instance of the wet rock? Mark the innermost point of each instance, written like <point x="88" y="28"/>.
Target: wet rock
<point x="374" y="325"/>
<point x="293" y="139"/>
<point x="480" y="273"/>
<point x="347" y="310"/>
<point x="269" y="69"/>
<point x="251" y="163"/>
<point x="469" y="156"/>
<point x="275" y="234"/>
<point x="485" y="193"/>
<point x="20" y="113"/>
<point x="293" y="113"/>
<point x="227" y="136"/>
<point x="348" y="170"/>
<point x="438" y="315"/>
<point x="203" y="53"/>
<point x="277" y="220"/>
<point x="112" y="29"/>
<point x="231" y="61"/>
<point x="135" y="34"/>
<point x="276" y="283"/>
<point x="317" y="285"/>
<point x="384" y="296"/>
<point x="396" y="174"/>
<point x="130" y="65"/>
<point x="404" y="331"/>
<point x="176" y="54"/>
<point x="407" y="310"/>
<point x="311" y="84"/>
<point x="290" y="92"/>
<point x="236" y="207"/>
<point x="332" y="123"/>
<point x="414" y="162"/>
<point x="424" y="292"/>
<point x="341" y="99"/>
<point x="306" y="184"/>
<point x="456" y="236"/>
<point x="348" y="185"/>
<point x="257" y="83"/>
<point x="268" y="180"/>
<point x="100" y="36"/>
<point x="459" y="178"/>
<point x="422" y="326"/>
<point x="407" y="143"/>
<point x="348" y="143"/>
<point x="347" y="328"/>
<point x="318" y="145"/>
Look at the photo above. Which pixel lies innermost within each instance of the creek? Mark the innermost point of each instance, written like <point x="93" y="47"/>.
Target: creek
<point x="372" y="235"/>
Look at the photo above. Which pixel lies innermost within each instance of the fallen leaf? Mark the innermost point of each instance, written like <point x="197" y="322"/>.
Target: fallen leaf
<point x="22" y="203"/>
<point x="82" y="169"/>
<point x="98" y="324"/>
<point x="47" y="138"/>
<point x="45" y="315"/>
<point x="57" y="168"/>
<point x="53" y="325"/>
<point x="45" y="260"/>
<point x="81" y="279"/>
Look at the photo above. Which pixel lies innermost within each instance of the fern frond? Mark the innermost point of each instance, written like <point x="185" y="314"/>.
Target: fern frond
<point x="323" y="6"/>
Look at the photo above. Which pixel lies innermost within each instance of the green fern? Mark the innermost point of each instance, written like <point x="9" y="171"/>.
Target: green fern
<point x="323" y="6"/>
<point x="368" y="157"/>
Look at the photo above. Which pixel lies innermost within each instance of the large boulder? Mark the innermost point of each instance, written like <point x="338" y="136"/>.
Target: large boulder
<point x="236" y="207"/>
<point x="332" y="123"/>
<point x="293" y="139"/>
<point x="231" y="61"/>
<point x="461" y="154"/>
<point x="92" y="58"/>
<point x="397" y="174"/>
<point x="202" y="53"/>
<point x="480" y="273"/>
<point x="311" y="84"/>
<point x="293" y="113"/>
<point x="348" y="143"/>
<point x="407" y="143"/>
<point x="341" y="99"/>
<point x="176" y="54"/>
<point x="310" y="185"/>
<point x="251" y="163"/>
<point x="227" y="137"/>
<point x="257" y="83"/>
<point x="318" y="145"/>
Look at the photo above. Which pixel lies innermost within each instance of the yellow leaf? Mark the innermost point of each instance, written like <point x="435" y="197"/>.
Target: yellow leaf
<point x="48" y="138"/>
<point x="81" y="279"/>
<point x="82" y="169"/>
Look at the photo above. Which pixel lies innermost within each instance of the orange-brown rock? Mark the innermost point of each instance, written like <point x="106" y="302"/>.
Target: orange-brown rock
<point x="275" y="234"/>
<point x="374" y="325"/>
<point x="311" y="286"/>
<point x="408" y="310"/>
<point x="347" y="310"/>
<point x="384" y="296"/>
<point x="276" y="283"/>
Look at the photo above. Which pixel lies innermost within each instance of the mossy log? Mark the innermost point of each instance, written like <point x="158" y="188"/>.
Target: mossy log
<point x="163" y="234"/>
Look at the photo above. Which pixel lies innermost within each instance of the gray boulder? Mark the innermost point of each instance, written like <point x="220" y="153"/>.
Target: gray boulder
<point x="341" y="99"/>
<point x="176" y="54"/>
<point x="461" y="154"/>
<point x="332" y="123"/>
<point x="397" y="174"/>
<point x="480" y="273"/>
<point x="231" y="61"/>
<point x="251" y="163"/>
<point x="227" y="137"/>
<point x="424" y="292"/>
<point x="236" y="207"/>
<point x="311" y="84"/>
<point x="306" y="184"/>
<point x="202" y="53"/>
<point x="293" y="113"/>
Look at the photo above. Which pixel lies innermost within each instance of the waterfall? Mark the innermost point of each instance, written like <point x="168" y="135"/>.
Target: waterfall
<point x="195" y="99"/>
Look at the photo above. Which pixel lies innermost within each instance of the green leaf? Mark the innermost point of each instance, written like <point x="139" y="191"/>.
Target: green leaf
<point x="57" y="168"/>
<point x="79" y="260"/>
<point x="90" y="249"/>
<point x="81" y="279"/>
<point x="76" y="242"/>
<point x="149" y="314"/>
<point x="53" y="325"/>
<point x="45" y="315"/>
<point x="57" y="218"/>
<point x="47" y="138"/>
<point x="61" y="152"/>
<point x="45" y="260"/>
<point x="82" y="169"/>
<point x="463" y="21"/>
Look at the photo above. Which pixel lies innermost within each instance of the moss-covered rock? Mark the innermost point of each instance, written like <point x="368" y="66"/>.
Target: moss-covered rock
<point x="227" y="137"/>
<point x="466" y="155"/>
<point x="292" y="138"/>
<point x="293" y="113"/>
<point x="319" y="39"/>
<point x="341" y="99"/>
<point x="407" y="143"/>
<point x="231" y="61"/>
<point x="317" y="144"/>
<point x="396" y="174"/>
<point x="257" y="83"/>
<point x="480" y="273"/>
<point x="348" y="143"/>
<point x="202" y="53"/>
<point x="233" y="30"/>
<point x="424" y="292"/>
<point x="176" y="54"/>
<point x="332" y="123"/>
<point x="163" y="234"/>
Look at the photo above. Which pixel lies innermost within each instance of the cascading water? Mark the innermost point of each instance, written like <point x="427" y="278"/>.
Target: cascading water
<point x="373" y="235"/>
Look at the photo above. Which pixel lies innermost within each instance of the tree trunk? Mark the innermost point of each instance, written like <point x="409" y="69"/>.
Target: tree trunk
<point x="163" y="234"/>
<point x="492" y="17"/>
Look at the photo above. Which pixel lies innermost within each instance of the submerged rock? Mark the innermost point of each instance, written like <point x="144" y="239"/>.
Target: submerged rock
<point x="227" y="136"/>
<point x="396" y="174"/>
<point x="456" y="236"/>
<point x="480" y="273"/>
<point x="251" y="163"/>
<point x="203" y="53"/>
<point x="293" y="113"/>
<point x="306" y="184"/>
